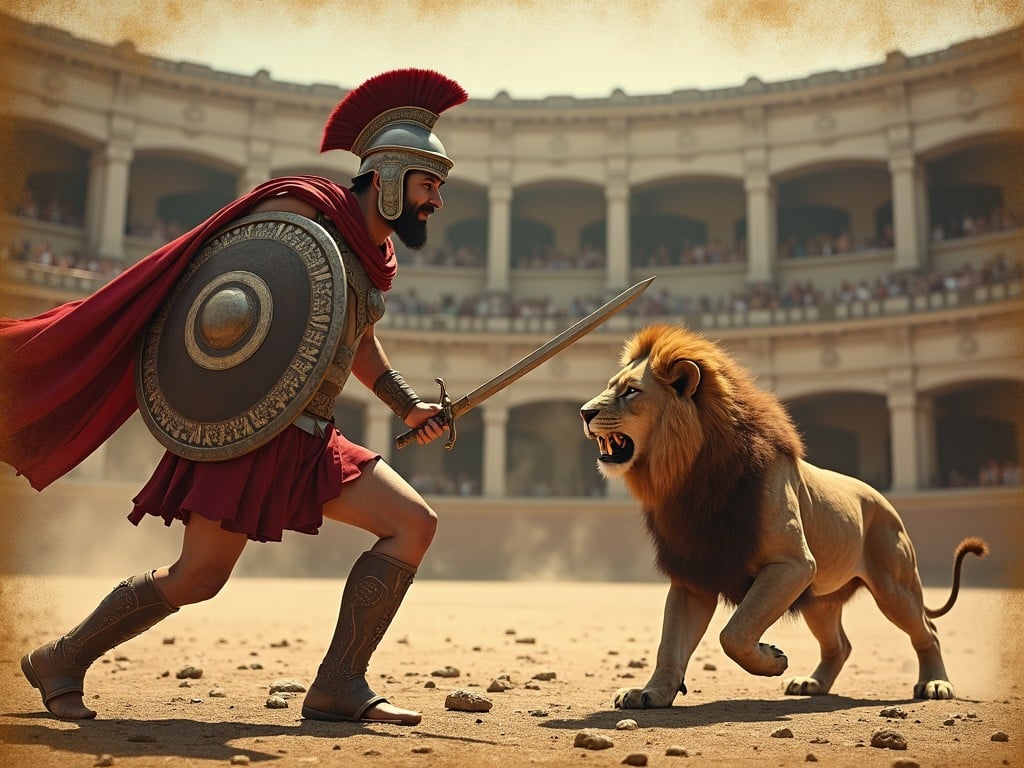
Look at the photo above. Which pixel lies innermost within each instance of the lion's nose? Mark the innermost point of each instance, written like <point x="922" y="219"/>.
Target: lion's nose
<point x="587" y="414"/>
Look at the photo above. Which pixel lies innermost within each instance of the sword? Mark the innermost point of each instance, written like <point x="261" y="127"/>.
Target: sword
<point x="450" y="410"/>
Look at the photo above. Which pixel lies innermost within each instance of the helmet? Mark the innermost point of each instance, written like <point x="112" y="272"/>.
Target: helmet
<point x="387" y="122"/>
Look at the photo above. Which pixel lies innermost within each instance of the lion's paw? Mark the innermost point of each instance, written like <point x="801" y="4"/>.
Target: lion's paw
<point x="642" y="698"/>
<point x="803" y="686"/>
<point x="934" y="689"/>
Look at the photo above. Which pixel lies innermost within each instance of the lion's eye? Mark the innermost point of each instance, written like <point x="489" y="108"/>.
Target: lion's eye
<point x="630" y="392"/>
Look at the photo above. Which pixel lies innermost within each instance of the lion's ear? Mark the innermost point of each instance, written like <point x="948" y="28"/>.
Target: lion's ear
<point x="684" y="376"/>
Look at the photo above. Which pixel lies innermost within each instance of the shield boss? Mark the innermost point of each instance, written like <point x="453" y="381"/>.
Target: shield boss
<point x="244" y="339"/>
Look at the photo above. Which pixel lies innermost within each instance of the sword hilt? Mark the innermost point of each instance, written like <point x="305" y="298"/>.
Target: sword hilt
<point x="446" y="417"/>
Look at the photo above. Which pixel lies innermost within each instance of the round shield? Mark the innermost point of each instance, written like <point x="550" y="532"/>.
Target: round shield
<point x="244" y="339"/>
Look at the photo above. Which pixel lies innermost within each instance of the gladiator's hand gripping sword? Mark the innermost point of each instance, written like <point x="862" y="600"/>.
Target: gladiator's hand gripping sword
<point x="450" y="410"/>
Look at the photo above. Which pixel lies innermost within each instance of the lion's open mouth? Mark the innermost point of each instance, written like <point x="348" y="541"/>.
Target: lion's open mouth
<point x="616" y="448"/>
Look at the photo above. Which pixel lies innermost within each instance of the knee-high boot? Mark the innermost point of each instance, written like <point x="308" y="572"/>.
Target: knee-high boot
<point x="373" y="591"/>
<point x="57" y="668"/>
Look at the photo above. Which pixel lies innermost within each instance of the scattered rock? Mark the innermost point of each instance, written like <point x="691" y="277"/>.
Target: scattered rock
<point x="276" y="702"/>
<point x="500" y="684"/>
<point x="467" y="701"/>
<point x="905" y="762"/>
<point x="430" y="684"/>
<point x="104" y="760"/>
<point x="676" y="752"/>
<point x="218" y="693"/>
<point x="591" y="738"/>
<point x="279" y="644"/>
<point x="637" y="664"/>
<point x="526" y="640"/>
<point x="811" y="758"/>
<point x="538" y="713"/>
<point x="532" y="687"/>
<point x="239" y="759"/>
<point x="782" y="733"/>
<point x="545" y="676"/>
<point x="446" y="672"/>
<point x="709" y="667"/>
<point x="421" y="750"/>
<point x="189" y="672"/>
<point x="1000" y="736"/>
<point x="168" y="641"/>
<point x="888" y="738"/>
<point x="287" y="685"/>
<point x="626" y="725"/>
<point x="819" y="740"/>
<point x="635" y="758"/>
<point x="893" y="712"/>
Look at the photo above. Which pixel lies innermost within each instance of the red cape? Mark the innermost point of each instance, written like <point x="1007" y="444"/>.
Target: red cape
<point x="67" y="379"/>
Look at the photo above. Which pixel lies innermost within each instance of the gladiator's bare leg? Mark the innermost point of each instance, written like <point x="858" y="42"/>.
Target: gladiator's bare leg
<point x="384" y="504"/>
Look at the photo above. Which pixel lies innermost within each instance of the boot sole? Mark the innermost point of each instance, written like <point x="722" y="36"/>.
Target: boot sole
<point x="314" y="714"/>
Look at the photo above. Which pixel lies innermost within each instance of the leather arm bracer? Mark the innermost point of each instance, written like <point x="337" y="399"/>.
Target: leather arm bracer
<point x="395" y="393"/>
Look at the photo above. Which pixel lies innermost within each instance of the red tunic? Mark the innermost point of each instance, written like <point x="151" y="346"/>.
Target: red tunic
<point x="67" y="384"/>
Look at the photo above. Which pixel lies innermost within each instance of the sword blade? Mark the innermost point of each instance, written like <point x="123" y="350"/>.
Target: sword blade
<point x="536" y="358"/>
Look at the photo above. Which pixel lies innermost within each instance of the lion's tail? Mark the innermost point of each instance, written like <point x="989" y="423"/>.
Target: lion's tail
<point x="972" y="545"/>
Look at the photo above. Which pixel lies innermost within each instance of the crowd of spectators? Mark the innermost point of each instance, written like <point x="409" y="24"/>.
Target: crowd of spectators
<point x="997" y="270"/>
<point x="991" y="473"/>
<point x="41" y="253"/>
<point x="999" y="219"/>
<point x="54" y="210"/>
<point x="713" y="252"/>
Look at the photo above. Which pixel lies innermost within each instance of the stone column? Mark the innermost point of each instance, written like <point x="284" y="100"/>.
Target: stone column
<point x="108" y="199"/>
<point x="617" y="250"/>
<point x="904" y="429"/>
<point x="762" y="237"/>
<point x="499" y="232"/>
<point x="909" y="210"/>
<point x="257" y="169"/>
<point x="495" y="420"/>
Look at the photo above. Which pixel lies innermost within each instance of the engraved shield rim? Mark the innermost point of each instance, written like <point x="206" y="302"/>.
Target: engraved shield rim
<point x="329" y="254"/>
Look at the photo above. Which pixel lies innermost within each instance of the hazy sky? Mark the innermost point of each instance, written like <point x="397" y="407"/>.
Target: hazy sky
<point x="531" y="48"/>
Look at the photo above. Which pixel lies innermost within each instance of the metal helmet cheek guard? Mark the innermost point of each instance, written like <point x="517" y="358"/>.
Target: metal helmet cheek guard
<point x="387" y="122"/>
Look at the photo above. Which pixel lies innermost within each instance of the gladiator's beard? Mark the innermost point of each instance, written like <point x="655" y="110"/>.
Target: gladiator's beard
<point x="410" y="230"/>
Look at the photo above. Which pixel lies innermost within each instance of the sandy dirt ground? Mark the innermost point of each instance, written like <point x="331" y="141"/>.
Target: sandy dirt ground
<point x="565" y="647"/>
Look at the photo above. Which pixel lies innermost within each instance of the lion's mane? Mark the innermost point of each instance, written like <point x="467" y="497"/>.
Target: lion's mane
<point x="704" y="472"/>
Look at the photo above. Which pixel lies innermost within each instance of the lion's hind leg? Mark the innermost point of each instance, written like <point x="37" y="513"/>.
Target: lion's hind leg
<point x="896" y="587"/>
<point x="823" y="616"/>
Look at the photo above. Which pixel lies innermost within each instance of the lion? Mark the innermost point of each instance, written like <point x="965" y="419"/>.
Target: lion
<point x="736" y="514"/>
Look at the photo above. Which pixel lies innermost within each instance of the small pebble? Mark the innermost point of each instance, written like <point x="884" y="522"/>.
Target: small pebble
<point x="591" y="738"/>
<point x="1000" y="736"/>
<point x="545" y="676"/>
<point x="218" y="693"/>
<point x="276" y="702"/>
<point x="288" y="685"/>
<point x="430" y="684"/>
<point x="887" y="738"/>
<point x="893" y="712"/>
<point x="445" y="672"/>
<point x="811" y="758"/>
<point x="239" y="759"/>
<point x="635" y="758"/>
<point x="905" y="762"/>
<point x="709" y="667"/>
<point x="626" y="725"/>
<point x="782" y="733"/>
<point x="189" y="671"/>
<point x="104" y="760"/>
<point x="676" y="752"/>
<point x="467" y="701"/>
<point x="500" y="684"/>
<point x="421" y="750"/>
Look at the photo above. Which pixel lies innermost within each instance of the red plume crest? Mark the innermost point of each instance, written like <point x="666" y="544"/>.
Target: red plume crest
<point x="398" y="88"/>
